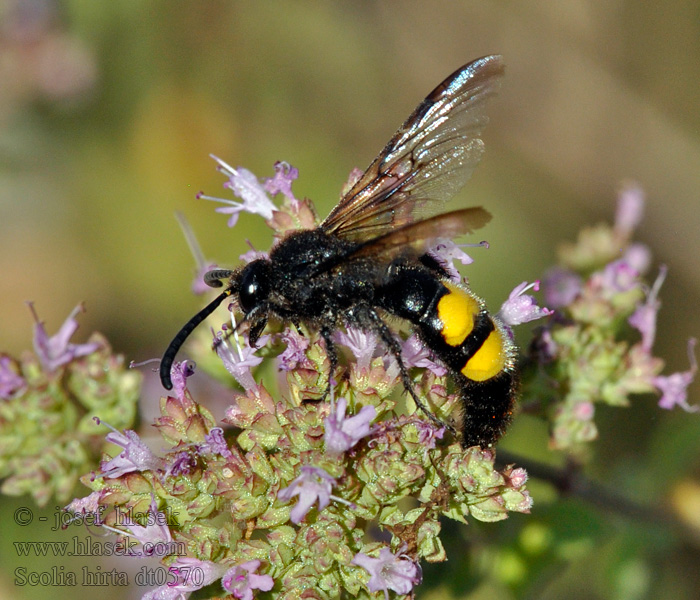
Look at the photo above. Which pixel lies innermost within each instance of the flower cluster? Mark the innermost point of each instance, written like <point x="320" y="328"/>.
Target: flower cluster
<point x="48" y="438"/>
<point x="583" y="356"/>
<point x="282" y="500"/>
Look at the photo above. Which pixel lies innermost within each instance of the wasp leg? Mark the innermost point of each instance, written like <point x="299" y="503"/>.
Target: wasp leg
<point x="381" y="328"/>
<point x="332" y="353"/>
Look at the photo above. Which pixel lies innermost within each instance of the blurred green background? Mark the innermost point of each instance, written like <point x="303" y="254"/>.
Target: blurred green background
<point x="109" y="110"/>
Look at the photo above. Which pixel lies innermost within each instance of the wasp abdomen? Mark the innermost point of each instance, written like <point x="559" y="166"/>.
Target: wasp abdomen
<point x="455" y="325"/>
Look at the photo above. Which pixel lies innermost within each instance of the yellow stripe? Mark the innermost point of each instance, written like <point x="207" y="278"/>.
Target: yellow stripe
<point x="489" y="360"/>
<point x="456" y="310"/>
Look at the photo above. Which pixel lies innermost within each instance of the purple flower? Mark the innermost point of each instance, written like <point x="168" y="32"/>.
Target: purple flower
<point x="190" y="575"/>
<point x="136" y="456"/>
<point x="244" y="185"/>
<point x="252" y="255"/>
<point x="341" y="432"/>
<point x="361" y="343"/>
<point x="395" y="572"/>
<point x="156" y="530"/>
<point x="215" y="443"/>
<point x="429" y="433"/>
<point x="522" y="308"/>
<point x="10" y="380"/>
<point x="179" y="373"/>
<point x="294" y="355"/>
<point x="617" y="277"/>
<point x="182" y="464"/>
<point x="445" y="251"/>
<point x="239" y="359"/>
<point x="281" y="183"/>
<point x="241" y="580"/>
<point x="56" y="351"/>
<point x="630" y="209"/>
<point x="89" y="505"/>
<point x="644" y="317"/>
<point x="415" y="353"/>
<point x="638" y="256"/>
<point x="313" y="484"/>
<point x="674" y="388"/>
<point x="561" y="287"/>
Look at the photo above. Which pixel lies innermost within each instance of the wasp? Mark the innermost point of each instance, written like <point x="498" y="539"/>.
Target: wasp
<point x="368" y="261"/>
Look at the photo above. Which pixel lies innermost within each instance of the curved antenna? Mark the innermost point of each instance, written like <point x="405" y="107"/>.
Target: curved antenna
<point x="166" y="362"/>
<point x="213" y="278"/>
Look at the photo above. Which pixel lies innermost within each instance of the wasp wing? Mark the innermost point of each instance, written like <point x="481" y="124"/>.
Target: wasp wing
<point x="426" y="162"/>
<point x="415" y="238"/>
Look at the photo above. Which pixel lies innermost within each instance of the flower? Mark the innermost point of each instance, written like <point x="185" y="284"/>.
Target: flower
<point x="395" y="572"/>
<point x="136" y="456"/>
<point x="630" y="209"/>
<point x="244" y="185"/>
<point x="215" y="443"/>
<point x="644" y="318"/>
<point x="294" y="355"/>
<point x="561" y="286"/>
<point x="281" y="183"/>
<point x="10" y="380"/>
<point x="445" y="251"/>
<point x="674" y="388"/>
<point x="313" y="484"/>
<point x="182" y="464"/>
<point x="341" y="432"/>
<point x="521" y="308"/>
<point x="240" y="360"/>
<point x="179" y="373"/>
<point x="156" y="530"/>
<point x="415" y="353"/>
<point x="241" y="580"/>
<point x="56" y="351"/>
<point x="361" y="343"/>
<point x="190" y="574"/>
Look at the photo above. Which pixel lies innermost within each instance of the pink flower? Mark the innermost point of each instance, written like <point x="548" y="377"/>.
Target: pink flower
<point x="522" y="308"/>
<point x="294" y="355"/>
<point x="341" y="432"/>
<point x="10" y="381"/>
<point x="281" y="183"/>
<point x="644" y="318"/>
<point x="445" y="252"/>
<point x="395" y="572"/>
<point x="244" y="185"/>
<point x="630" y="209"/>
<point x="361" y="343"/>
<point x="156" y="530"/>
<point x="314" y="484"/>
<point x="416" y="354"/>
<point x="239" y="358"/>
<point x="190" y="574"/>
<point x="215" y="443"/>
<point x="136" y="456"/>
<point x="241" y="580"/>
<point x="56" y="351"/>
<point x="674" y="388"/>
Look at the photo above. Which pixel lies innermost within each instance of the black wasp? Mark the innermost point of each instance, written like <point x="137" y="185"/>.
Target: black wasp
<point x="368" y="259"/>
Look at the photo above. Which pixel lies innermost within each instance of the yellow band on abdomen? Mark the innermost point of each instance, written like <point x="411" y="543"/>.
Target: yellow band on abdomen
<point x="457" y="310"/>
<point x="489" y="360"/>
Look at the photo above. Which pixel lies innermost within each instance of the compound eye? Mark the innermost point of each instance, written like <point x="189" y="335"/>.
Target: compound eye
<point x="252" y="289"/>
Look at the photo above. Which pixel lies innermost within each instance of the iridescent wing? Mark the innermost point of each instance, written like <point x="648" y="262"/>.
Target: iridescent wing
<point x="416" y="237"/>
<point x="426" y="162"/>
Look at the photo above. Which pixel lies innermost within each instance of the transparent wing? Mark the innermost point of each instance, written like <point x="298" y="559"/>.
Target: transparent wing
<point x="426" y="162"/>
<point x="415" y="238"/>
